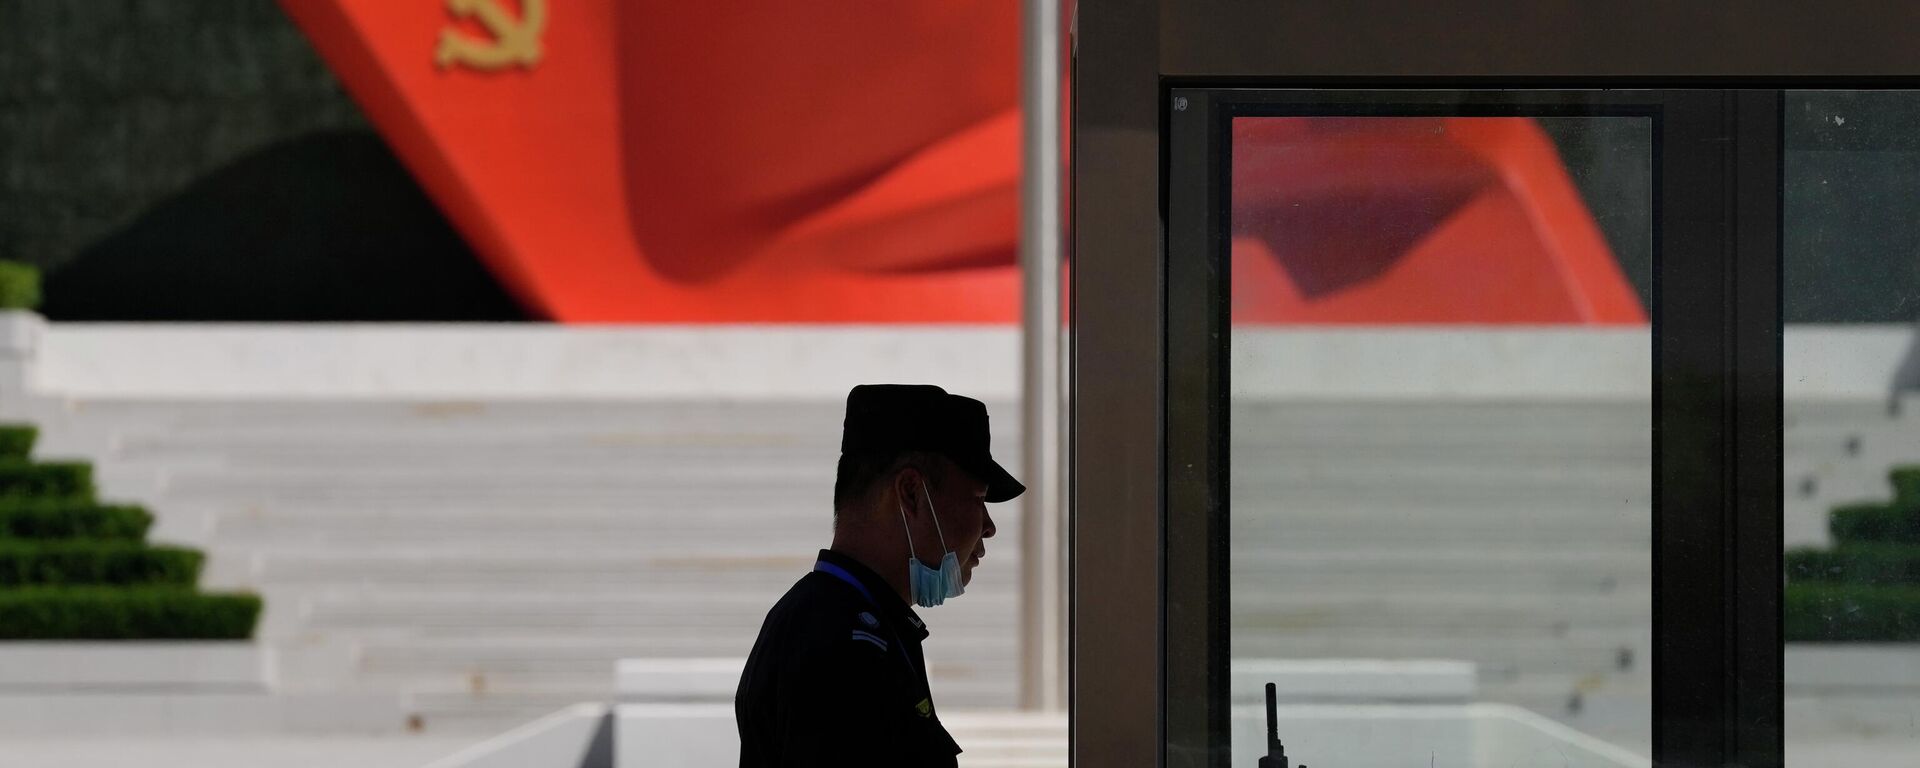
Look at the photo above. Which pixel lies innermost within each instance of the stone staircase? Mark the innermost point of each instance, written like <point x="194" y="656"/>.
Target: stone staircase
<point x="1514" y="535"/>
<point x="489" y="561"/>
<point x="1838" y="452"/>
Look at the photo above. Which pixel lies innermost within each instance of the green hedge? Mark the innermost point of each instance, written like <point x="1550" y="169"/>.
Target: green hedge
<point x="19" y="286"/>
<point x="1852" y="612"/>
<point x="1875" y="522"/>
<point x="31" y="518"/>
<point x="126" y="563"/>
<point x="16" y="440"/>
<point x="1906" y="487"/>
<point x="64" y="480"/>
<point x="110" y="613"/>
<point x="1859" y="563"/>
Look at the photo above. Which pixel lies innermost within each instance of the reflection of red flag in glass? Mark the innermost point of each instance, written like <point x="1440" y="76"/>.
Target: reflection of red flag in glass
<point x="1414" y="220"/>
<point x="712" y="163"/>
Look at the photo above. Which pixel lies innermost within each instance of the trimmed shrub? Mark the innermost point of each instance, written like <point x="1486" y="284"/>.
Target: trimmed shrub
<point x="1818" y="612"/>
<point x="31" y="518"/>
<point x="1860" y="563"/>
<point x="19" y="286"/>
<point x="125" y="563"/>
<point x="1906" y="488"/>
<point x="64" y="480"/>
<point x="16" y="440"/>
<point x="1874" y="522"/>
<point x="109" y="613"/>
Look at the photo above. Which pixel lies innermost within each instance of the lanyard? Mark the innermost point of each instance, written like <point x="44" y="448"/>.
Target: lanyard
<point x="841" y="573"/>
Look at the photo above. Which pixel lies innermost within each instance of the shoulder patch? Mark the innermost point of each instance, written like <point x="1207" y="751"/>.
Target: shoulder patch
<point x="868" y="619"/>
<point x="869" y="637"/>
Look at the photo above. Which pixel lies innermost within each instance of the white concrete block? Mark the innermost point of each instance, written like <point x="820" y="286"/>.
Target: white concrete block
<point x="50" y="667"/>
<point x="1508" y="735"/>
<point x="675" y="735"/>
<point x="712" y="680"/>
<point x="1435" y="736"/>
<point x="22" y="334"/>
<point x="564" y="739"/>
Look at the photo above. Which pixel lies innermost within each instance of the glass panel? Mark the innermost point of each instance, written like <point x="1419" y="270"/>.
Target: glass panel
<point x="1851" y="285"/>
<point x="1441" y="439"/>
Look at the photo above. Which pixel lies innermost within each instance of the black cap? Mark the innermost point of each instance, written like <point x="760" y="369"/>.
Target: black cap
<point x="883" y="418"/>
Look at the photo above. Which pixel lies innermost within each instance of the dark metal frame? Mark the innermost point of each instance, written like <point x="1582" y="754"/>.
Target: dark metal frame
<point x="1719" y="353"/>
<point x="1716" y="402"/>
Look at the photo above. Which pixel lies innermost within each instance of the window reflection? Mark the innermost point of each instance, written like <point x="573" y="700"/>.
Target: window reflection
<point x="1851" y="297"/>
<point x="1441" y="439"/>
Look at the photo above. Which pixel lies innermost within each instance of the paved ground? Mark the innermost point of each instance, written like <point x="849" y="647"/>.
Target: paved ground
<point x="1877" y="753"/>
<point x="279" y="752"/>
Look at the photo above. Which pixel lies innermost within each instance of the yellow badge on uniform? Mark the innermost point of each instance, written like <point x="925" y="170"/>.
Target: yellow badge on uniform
<point x="925" y="707"/>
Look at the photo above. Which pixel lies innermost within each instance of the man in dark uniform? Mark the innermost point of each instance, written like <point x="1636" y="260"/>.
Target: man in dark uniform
<point x="837" y="677"/>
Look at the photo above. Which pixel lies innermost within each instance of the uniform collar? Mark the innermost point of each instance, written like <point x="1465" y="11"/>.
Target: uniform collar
<point x="888" y="600"/>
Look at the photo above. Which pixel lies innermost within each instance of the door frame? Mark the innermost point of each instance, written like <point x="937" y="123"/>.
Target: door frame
<point x="1714" y="687"/>
<point x="1127" y="60"/>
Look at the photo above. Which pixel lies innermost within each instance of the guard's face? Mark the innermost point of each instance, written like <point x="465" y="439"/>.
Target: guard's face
<point x="962" y="507"/>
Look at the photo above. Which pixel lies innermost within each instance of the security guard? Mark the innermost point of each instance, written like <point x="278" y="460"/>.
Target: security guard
<point x="837" y="677"/>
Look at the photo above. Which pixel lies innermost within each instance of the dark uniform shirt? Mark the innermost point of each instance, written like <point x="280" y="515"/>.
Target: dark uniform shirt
<point x="837" y="678"/>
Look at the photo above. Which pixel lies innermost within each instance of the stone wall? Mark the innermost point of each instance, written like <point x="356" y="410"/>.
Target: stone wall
<point x="108" y="106"/>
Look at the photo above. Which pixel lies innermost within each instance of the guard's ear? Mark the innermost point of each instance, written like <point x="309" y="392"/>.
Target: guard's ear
<point x="906" y="488"/>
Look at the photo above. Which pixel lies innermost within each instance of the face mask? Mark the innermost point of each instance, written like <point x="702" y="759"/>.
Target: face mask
<point x="928" y="586"/>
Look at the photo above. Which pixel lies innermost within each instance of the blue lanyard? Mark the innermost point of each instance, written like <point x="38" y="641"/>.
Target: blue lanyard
<point x="841" y="573"/>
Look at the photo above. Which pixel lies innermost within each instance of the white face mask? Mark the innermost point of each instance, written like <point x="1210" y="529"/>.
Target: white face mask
<point x="928" y="586"/>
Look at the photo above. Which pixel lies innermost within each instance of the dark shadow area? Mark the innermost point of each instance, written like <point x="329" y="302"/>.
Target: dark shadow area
<point x="325" y="227"/>
<point x="1851" y="236"/>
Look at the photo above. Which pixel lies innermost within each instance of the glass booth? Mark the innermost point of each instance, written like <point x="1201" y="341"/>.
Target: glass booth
<point x="1504" y="384"/>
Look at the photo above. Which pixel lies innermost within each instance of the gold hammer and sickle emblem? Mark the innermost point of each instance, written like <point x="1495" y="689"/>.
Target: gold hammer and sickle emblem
<point x="515" y="41"/>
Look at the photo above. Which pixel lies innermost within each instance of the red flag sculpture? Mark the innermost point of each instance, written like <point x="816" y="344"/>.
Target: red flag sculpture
<point x="858" y="163"/>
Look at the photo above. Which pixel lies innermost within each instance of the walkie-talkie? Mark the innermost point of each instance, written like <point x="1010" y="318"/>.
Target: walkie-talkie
<point x="1276" y="752"/>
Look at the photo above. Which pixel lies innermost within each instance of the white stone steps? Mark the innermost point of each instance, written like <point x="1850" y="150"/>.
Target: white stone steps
<point x="553" y="485"/>
<point x="535" y="542"/>
<point x="619" y="563"/>
<point x="644" y="573"/>
<point x="1375" y="613"/>
<point x="571" y="648"/>
<point x="1496" y="654"/>
<point x="601" y="609"/>
<point x="554" y="536"/>
<point x="459" y="709"/>
<point x="1283" y="519"/>
<point x="698" y="506"/>
<point x="1413" y="538"/>
<point x="533" y="675"/>
<point x="798" y="415"/>
<point x="948" y="637"/>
